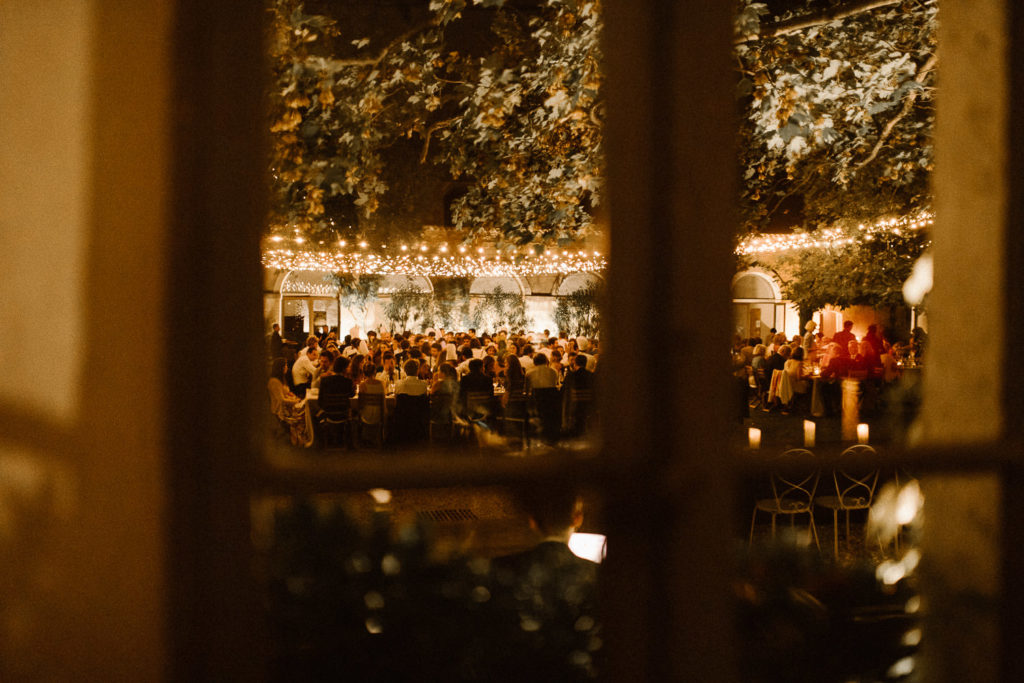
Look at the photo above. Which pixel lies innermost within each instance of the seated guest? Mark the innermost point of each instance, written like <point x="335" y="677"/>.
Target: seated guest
<point x="304" y="370"/>
<point x="475" y="381"/>
<point x="285" y="405"/>
<point x="795" y="367"/>
<point x="323" y="368"/>
<point x="369" y="383"/>
<point x="446" y="381"/>
<point x="541" y="376"/>
<point x="411" y="384"/>
<point x="336" y="388"/>
<point x="390" y="373"/>
<point x="757" y="361"/>
<point x="490" y="367"/>
<point x="515" y="378"/>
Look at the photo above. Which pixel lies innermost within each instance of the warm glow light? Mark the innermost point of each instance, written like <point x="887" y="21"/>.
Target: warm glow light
<point x="380" y="496"/>
<point x="829" y="237"/>
<point x="862" y="433"/>
<point x="754" y="438"/>
<point x="591" y="547"/>
<point x="809" y="433"/>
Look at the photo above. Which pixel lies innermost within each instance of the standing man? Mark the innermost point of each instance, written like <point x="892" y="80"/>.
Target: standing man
<point x="843" y="338"/>
<point x="274" y="342"/>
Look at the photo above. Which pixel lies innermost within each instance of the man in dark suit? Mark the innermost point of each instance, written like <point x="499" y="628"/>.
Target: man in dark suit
<point x="274" y="342"/>
<point x="547" y="596"/>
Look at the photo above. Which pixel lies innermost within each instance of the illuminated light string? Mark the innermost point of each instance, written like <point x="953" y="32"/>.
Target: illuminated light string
<point x="831" y="237"/>
<point x="416" y="261"/>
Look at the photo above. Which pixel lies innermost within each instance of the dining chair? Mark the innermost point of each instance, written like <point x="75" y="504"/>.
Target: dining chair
<point x="517" y="414"/>
<point x="581" y="404"/>
<point x="372" y="413"/>
<point x="854" y="489"/>
<point x="792" y="494"/>
<point x="441" y="416"/>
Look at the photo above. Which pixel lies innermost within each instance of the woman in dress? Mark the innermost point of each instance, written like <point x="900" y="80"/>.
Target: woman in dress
<point x="286" y="406"/>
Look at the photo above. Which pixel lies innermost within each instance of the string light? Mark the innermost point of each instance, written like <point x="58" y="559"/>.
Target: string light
<point x="831" y="237"/>
<point x="439" y="264"/>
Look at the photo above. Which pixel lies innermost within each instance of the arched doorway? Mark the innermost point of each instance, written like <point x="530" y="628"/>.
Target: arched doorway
<point x="758" y="306"/>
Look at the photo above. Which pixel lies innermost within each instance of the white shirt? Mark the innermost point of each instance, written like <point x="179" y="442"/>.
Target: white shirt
<point x="303" y="370"/>
<point x="412" y="386"/>
<point x="526" y="362"/>
<point x="541" y="377"/>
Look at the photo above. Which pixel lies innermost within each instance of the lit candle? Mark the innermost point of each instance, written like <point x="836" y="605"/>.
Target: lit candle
<point x="862" y="433"/>
<point x="754" y="435"/>
<point x="809" y="428"/>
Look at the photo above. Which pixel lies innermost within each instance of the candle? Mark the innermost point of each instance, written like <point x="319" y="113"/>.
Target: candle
<point x="754" y="435"/>
<point x="862" y="433"/>
<point x="809" y="428"/>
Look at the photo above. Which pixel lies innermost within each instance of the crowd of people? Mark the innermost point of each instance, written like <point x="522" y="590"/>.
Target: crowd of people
<point x="456" y="365"/>
<point x="804" y="358"/>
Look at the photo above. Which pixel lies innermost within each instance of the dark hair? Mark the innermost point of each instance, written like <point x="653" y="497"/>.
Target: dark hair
<point x="340" y="365"/>
<point x="412" y="367"/>
<point x="513" y="369"/>
<point x="476" y="365"/>
<point x="528" y="350"/>
<point x="278" y="367"/>
<point x="552" y="506"/>
<point x="540" y="359"/>
<point x="798" y="353"/>
<point x="580" y="360"/>
<point x="448" y="370"/>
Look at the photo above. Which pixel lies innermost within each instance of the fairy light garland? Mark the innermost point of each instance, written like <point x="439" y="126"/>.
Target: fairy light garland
<point x="440" y="261"/>
<point x="831" y="237"/>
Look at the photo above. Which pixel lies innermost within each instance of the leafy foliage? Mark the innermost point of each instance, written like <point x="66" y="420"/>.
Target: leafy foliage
<point x="357" y="293"/>
<point x="520" y="122"/>
<point x="407" y="304"/>
<point x="579" y="312"/>
<point x="865" y="272"/>
<point x="500" y="309"/>
<point x="838" y="114"/>
<point x="450" y="307"/>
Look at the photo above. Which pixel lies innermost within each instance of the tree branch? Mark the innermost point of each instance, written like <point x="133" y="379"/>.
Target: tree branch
<point x="430" y="131"/>
<point x="908" y="104"/>
<point x="824" y="16"/>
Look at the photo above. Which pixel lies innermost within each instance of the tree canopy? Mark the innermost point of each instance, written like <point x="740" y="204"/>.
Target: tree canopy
<point x="515" y="116"/>
<point x="837" y="107"/>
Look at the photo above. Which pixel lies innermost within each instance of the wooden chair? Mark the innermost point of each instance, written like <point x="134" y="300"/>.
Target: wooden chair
<point x="580" y="410"/>
<point x="517" y="415"/>
<point x="441" y="416"/>
<point x="372" y="414"/>
<point x="547" y="403"/>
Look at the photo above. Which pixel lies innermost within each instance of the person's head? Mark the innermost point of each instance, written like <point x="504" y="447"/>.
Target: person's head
<point x="312" y="353"/>
<point x="278" y="367"/>
<point x="435" y="349"/>
<point x="580" y="361"/>
<point x="326" y="360"/>
<point x="798" y="353"/>
<point x="276" y="328"/>
<point x="853" y="347"/>
<point x="412" y="367"/>
<point x="555" y="509"/>
<point x="513" y="368"/>
<point x="848" y="325"/>
<point x="528" y="350"/>
<point x="371" y="336"/>
<point x="540" y="359"/>
<point x="312" y="342"/>
<point x="490" y="365"/>
<point x="447" y="371"/>
<point x="780" y="339"/>
<point x="476" y="366"/>
<point x="810" y="326"/>
<point x="785" y="351"/>
<point x="340" y="365"/>
<point x="556" y="356"/>
<point x="388" y="360"/>
<point x="474" y="343"/>
<point x="759" y="350"/>
<point x="472" y="331"/>
<point x="491" y="350"/>
<point x="355" y="369"/>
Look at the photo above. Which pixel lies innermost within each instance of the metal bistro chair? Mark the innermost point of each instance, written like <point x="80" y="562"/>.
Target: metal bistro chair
<point x="792" y="495"/>
<point x="854" y="489"/>
<point x="478" y="407"/>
